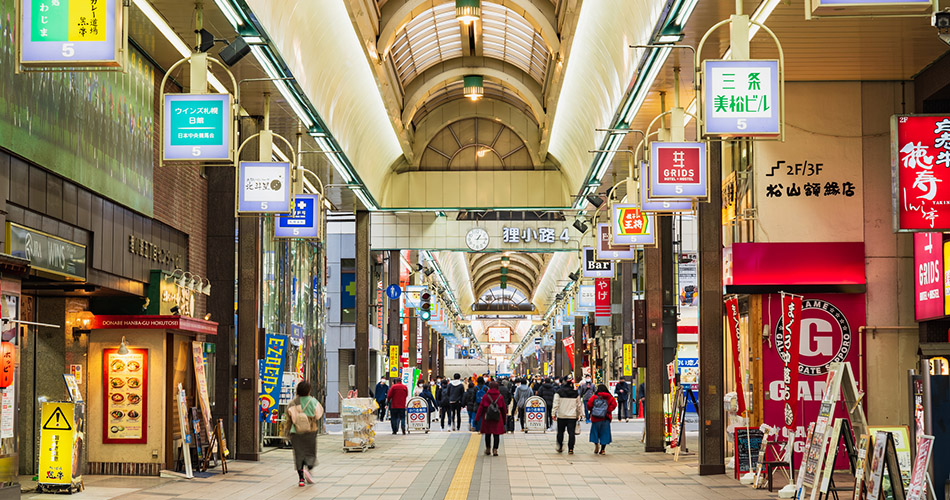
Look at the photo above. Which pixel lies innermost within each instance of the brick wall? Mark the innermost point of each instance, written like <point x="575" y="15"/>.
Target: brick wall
<point x="181" y="200"/>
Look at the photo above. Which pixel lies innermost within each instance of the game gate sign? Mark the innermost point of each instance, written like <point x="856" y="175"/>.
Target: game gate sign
<point x="920" y="165"/>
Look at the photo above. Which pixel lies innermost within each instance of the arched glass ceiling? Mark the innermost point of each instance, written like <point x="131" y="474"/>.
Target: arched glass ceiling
<point x="508" y="36"/>
<point x="453" y="91"/>
<point x="435" y="35"/>
<point x="503" y="296"/>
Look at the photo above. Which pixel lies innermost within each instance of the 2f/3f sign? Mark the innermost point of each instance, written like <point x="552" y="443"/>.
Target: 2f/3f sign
<point x="678" y="170"/>
<point x="303" y="221"/>
<point x="264" y="188"/>
<point x="197" y="127"/>
<point x="74" y="33"/>
<point x="741" y="98"/>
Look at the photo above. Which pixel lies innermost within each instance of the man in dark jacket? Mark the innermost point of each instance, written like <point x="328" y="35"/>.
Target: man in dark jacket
<point x="456" y="392"/>
<point x="547" y="392"/>
<point x="622" y="391"/>
<point x="468" y="400"/>
<point x="380" y="394"/>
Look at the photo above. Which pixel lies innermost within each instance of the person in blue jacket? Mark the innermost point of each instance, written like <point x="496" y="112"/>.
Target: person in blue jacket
<point x="382" y="388"/>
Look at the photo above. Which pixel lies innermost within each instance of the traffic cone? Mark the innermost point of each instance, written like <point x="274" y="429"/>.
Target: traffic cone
<point x="640" y="411"/>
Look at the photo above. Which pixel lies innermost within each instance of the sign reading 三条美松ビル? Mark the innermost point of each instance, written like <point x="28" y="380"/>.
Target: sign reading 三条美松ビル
<point x="594" y="268"/>
<point x="920" y="165"/>
<point x="303" y="221"/>
<point x="741" y="98"/>
<point x="608" y="251"/>
<point x="852" y="7"/>
<point x="648" y="204"/>
<point x="678" y="170"/>
<point x="197" y="127"/>
<point x="263" y="187"/>
<point x="630" y="226"/>
<point x="72" y="33"/>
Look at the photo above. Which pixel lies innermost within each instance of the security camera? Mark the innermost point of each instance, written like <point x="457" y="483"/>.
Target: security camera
<point x="941" y="21"/>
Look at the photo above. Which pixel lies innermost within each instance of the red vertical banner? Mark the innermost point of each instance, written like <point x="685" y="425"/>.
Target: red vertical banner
<point x="732" y="317"/>
<point x="569" y="347"/>
<point x="602" y="297"/>
<point x="790" y="335"/>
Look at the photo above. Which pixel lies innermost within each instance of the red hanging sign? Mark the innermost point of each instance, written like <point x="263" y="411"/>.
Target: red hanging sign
<point x="920" y="158"/>
<point x="569" y="347"/>
<point x="7" y="358"/>
<point x="790" y="335"/>
<point x="602" y="297"/>
<point x="732" y="316"/>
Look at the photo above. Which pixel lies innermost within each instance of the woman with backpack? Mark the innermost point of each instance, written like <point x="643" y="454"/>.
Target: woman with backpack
<point x="301" y="418"/>
<point x="601" y="406"/>
<point x="491" y="418"/>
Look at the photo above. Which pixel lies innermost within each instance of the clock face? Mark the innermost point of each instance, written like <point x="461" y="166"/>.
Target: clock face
<point x="477" y="239"/>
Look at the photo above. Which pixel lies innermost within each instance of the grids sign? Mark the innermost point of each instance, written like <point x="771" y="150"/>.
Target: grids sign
<point x="69" y="32"/>
<point x="264" y="187"/>
<point x="741" y="98"/>
<point x="197" y="127"/>
<point x="678" y="170"/>
<point x="303" y="221"/>
<point x="920" y="166"/>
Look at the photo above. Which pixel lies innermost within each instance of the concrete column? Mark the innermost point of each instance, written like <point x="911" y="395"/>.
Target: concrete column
<point x="655" y="373"/>
<point x="413" y="337"/>
<point x="558" y="355"/>
<point x="578" y="347"/>
<point x="394" y="332"/>
<point x="441" y="357"/>
<point x="626" y="310"/>
<point x="711" y="423"/>
<point x="363" y="310"/>
<point x="426" y="336"/>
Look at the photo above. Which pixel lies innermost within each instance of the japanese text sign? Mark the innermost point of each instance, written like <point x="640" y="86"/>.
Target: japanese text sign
<point x="678" y="170"/>
<point x="789" y="335"/>
<point x="547" y="235"/>
<point x="197" y="127"/>
<point x="920" y="164"/>
<point x="69" y="32"/>
<point x="607" y="251"/>
<point x="56" y="444"/>
<point x="303" y="221"/>
<point x="602" y="291"/>
<point x="272" y="370"/>
<point x="631" y="226"/>
<point x="735" y="335"/>
<point x="741" y="98"/>
<point x="648" y="204"/>
<point x="594" y="268"/>
<point x="928" y="276"/>
<point x="585" y="303"/>
<point x="264" y="187"/>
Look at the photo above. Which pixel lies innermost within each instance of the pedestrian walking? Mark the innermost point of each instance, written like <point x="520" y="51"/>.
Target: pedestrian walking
<point x="396" y="397"/>
<point x="521" y="395"/>
<point x="601" y="405"/>
<point x="567" y="410"/>
<point x="490" y="417"/>
<point x="456" y="392"/>
<point x="547" y="391"/>
<point x="380" y="395"/>
<point x="587" y="391"/>
<point x="301" y="420"/>
<point x="468" y="400"/>
<point x="442" y="399"/>
<point x="622" y="391"/>
<point x="426" y="394"/>
<point x="481" y="388"/>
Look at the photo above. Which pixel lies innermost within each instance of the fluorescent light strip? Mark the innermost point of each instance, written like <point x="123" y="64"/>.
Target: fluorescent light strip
<point x="230" y="13"/>
<point x="328" y="149"/>
<point x="362" y="196"/>
<point x="683" y="17"/>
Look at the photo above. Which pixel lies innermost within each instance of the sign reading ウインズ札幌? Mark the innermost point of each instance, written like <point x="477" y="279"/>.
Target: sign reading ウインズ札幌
<point x="920" y="164"/>
<point x="197" y="127"/>
<point x="69" y="32"/>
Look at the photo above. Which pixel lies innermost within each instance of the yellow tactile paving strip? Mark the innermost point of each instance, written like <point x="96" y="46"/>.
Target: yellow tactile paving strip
<point x="462" y="480"/>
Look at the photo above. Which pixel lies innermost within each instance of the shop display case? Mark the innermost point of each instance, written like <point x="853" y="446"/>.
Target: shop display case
<point x="359" y="420"/>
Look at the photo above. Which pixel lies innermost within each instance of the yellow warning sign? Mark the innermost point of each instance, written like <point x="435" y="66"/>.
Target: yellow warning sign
<point x="56" y="444"/>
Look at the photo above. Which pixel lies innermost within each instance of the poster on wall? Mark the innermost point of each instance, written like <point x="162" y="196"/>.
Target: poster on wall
<point x="829" y="330"/>
<point x="125" y="408"/>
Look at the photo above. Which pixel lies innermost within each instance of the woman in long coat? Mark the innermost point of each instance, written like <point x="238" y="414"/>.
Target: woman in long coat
<point x="492" y="426"/>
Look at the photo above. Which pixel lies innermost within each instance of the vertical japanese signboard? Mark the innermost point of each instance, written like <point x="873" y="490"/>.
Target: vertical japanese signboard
<point x="74" y="33"/>
<point x="263" y="187"/>
<point x="928" y="276"/>
<point x="789" y="336"/>
<point x="201" y="380"/>
<point x="594" y="268"/>
<point x="602" y="287"/>
<point x="741" y="98"/>
<point x="303" y="221"/>
<point x="197" y="127"/>
<point x="56" y="453"/>
<point x="627" y="360"/>
<point x="920" y="166"/>
<point x="732" y="318"/>
<point x="608" y="251"/>
<point x="631" y="226"/>
<point x="678" y="170"/>
<point x="272" y="370"/>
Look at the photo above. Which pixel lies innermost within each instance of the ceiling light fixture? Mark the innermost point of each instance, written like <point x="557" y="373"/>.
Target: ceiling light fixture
<point x="468" y="11"/>
<point x="595" y="200"/>
<point x="473" y="86"/>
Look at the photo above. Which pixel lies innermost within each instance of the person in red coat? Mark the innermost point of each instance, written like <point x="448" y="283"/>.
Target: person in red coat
<point x="397" y="396"/>
<point x="492" y="422"/>
<point x="601" y="406"/>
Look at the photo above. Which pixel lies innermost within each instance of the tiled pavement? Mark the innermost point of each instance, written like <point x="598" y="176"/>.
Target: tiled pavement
<point x="422" y="466"/>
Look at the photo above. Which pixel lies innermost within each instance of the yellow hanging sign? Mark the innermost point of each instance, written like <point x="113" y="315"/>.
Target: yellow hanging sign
<point x="627" y="360"/>
<point x="394" y="361"/>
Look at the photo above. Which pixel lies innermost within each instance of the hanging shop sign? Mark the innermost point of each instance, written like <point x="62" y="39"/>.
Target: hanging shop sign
<point x="631" y="226"/>
<point x="789" y="335"/>
<point x="678" y="170"/>
<point x="57" y="456"/>
<point x="627" y="360"/>
<point x="7" y="358"/>
<point x="264" y="187"/>
<point x="602" y="290"/>
<point x="594" y="268"/>
<point x="534" y="414"/>
<point x="586" y="299"/>
<point x="608" y="251"/>
<point x="47" y="253"/>
<point x="928" y="276"/>
<point x="125" y="385"/>
<point x="499" y="334"/>
<point x="920" y="165"/>
<point x="70" y="33"/>
<point x="499" y="349"/>
<point x="197" y="127"/>
<point x="741" y="98"/>
<point x="735" y="336"/>
<point x="648" y="204"/>
<point x="272" y="369"/>
<point x="303" y="221"/>
<point x="852" y="7"/>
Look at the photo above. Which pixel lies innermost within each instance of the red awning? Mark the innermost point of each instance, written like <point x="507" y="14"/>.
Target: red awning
<point x="155" y="322"/>
<point x="832" y="267"/>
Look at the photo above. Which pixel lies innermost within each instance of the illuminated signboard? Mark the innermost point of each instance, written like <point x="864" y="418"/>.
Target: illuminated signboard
<point x="263" y="187"/>
<point x="499" y="349"/>
<point x="595" y="268"/>
<point x="303" y="221"/>
<point x="197" y="127"/>
<point x="845" y="7"/>
<point x="678" y="170"/>
<point x="920" y="166"/>
<point x="648" y="204"/>
<point x="499" y="334"/>
<point x="928" y="276"/>
<point x="607" y="251"/>
<point x="741" y="98"/>
<point x="74" y="33"/>
<point x="631" y="226"/>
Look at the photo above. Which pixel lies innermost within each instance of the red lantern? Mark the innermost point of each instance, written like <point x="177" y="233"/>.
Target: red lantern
<point x="7" y="357"/>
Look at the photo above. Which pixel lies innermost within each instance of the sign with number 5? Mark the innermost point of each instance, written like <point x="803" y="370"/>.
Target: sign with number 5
<point x="197" y="127"/>
<point x="742" y="98"/>
<point x="263" y="187"/>
<point x="678" y="170"/>
<point x="303" y="221"/>
<point x="70" y="33"/>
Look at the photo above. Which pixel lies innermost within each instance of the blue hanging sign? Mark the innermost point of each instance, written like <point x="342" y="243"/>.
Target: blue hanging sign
<point x="272" y="371"/>
<point x="303" y="221"/>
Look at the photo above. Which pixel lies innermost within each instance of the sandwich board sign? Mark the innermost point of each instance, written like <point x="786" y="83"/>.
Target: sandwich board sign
<point x="534" y="413"/>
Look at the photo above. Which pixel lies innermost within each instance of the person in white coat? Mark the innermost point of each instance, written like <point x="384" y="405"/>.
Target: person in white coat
<point x="567" y="409"/>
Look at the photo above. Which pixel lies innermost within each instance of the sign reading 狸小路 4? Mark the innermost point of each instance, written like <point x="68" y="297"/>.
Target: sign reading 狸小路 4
<point x="197" y="127"/>
<point x="74" y="33"/>
<point x="263" y="188"/>
<point x="631" y="226"/>
<point x="678" y="170"/>
<point x="920" y="165"/>
<point x="303" y="221"/>
<point x="741" y="98"/>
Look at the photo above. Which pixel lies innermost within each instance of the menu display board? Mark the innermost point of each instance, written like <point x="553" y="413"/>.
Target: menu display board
<point x="125" y="406"/>
<point x="748" y="441"/>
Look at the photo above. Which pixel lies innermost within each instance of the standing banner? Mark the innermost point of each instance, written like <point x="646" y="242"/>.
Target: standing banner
<point x="197" y="349"/>
<point x="417" y="414"/>
<point x="57" y="465"/>
<point x="732" y="316"/>
<point x="918" y="478"/>
<point x="272" y="372"/>
<point x="790" y="333"/>
<point x="569" y="348"/>
<point x="602" y="305"/>
<point x="534" y="410"/>
<point x="182" y="400"/>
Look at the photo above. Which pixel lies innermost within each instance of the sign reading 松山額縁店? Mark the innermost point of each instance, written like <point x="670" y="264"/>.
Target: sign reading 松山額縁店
<point x="69" y="33"/>
<point x="264" y="187"/>
<point x="741" y="98"/>
<point x="197" y="127"/>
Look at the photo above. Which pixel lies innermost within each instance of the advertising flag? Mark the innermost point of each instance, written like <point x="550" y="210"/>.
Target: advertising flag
<point x="732" y="316"/>
<point x="791" y="332"/>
